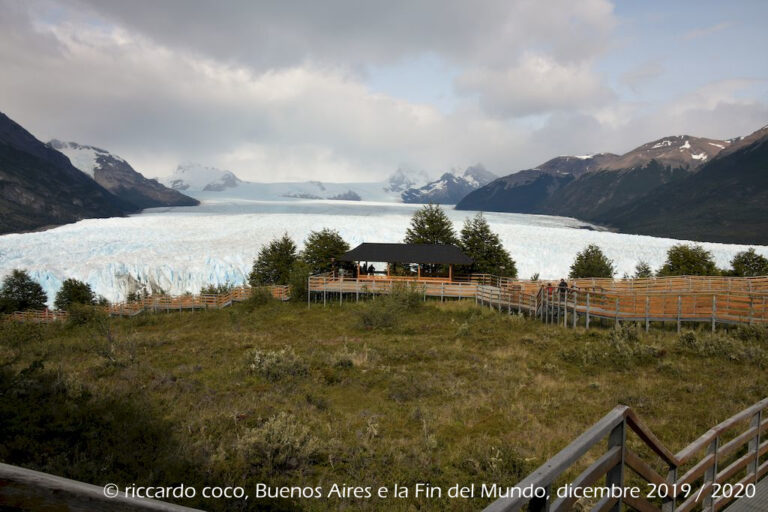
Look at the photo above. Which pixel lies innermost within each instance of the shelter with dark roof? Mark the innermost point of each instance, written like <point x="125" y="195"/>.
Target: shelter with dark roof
<point x="419" y="254"/>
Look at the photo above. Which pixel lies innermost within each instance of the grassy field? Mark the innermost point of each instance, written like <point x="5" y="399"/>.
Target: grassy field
<point x="374" y="394"/>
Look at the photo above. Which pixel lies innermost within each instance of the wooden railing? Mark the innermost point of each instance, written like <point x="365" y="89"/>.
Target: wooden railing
<point x="23" y="489"/>
<point x="714" y="300"/>
<point x="158" y="303"/>
<point x="567" y="306"/>
<point x="728" y="453"/>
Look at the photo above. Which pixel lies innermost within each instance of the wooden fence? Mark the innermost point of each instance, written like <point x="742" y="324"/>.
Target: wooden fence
<point x="703" y="476"/>
<point x="159" y="303"/>
<point x="691" y="299"/>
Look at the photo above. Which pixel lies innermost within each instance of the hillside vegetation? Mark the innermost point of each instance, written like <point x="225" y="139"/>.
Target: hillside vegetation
<point x="370" y="394"/>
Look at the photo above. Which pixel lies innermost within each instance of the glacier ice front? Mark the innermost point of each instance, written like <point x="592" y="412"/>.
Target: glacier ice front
<point x="182" y="249"/>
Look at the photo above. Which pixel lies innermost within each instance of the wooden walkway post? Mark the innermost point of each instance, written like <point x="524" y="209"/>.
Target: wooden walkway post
<point x="754" y="445"/>
<point x="710" y="477"/>
<point x="679" y="311"/>
<point x="575" y="303"/>
<point x="587" y="310"/>
<point x="714" y="312"/>
<point x="647" y="312"/>
<point x="615" y="475"/>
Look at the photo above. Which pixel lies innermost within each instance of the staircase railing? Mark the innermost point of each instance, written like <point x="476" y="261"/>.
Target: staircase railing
<point x="695" y="476"/>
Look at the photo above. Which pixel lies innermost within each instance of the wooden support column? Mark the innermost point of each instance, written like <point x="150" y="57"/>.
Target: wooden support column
<point x="450" y="272"/>
<point x="418" y="270"/>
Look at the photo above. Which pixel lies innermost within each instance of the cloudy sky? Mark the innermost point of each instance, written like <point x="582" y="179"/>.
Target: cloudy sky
<point x="350" y="90"/>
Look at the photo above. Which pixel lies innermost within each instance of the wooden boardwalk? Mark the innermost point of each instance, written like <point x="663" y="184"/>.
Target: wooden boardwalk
<point x="691" y="299"/>
<point x="757" y="503"/>
<point x="732" y="453"/>
<point x="159" y="304"/>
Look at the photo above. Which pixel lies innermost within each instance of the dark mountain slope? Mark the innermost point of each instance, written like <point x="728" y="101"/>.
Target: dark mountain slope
<point x="725" y="201"/>
<point x="39" y="187"/>
<point x="594" y="194"/>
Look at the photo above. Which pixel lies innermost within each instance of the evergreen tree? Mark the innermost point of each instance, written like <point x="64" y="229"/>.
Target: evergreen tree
<point x="485" y="248"/>
<point x="430" y="225"/>
<point x="322" y="248"/>
<point x="591" y="262"/>
<point x="749" y="264"/>
<point x="274" y="262"/>
<point x="19" y="292"/>
<point x="74" y="292"/>
<point x="642" y="270"/>
<point x="688" y="260"/>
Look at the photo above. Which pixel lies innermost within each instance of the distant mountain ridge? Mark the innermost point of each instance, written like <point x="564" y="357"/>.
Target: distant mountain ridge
<point x="39" y="186"/>
<point x="605" y="188"/>
<point x="449" y="188"/>
<point x="195" y="177"/>
<point x="116" y="175"/>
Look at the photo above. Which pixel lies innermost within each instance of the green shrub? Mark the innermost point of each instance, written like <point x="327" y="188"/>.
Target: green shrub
<point x="297" y="280"/>
<point x="688" y="260"/>
<point x="591" y="262"/>
<point x="622" y="348"/>
<point x="19" y="293"/>
<point x="260" y="296"/>
<point x="216" y="289"/>
<point x="274" y="262"/>
<point x="73" y="291"/>
<point x="749" y="264"/>
<point x="387" y="310"/>
<point x="274" y="365"/>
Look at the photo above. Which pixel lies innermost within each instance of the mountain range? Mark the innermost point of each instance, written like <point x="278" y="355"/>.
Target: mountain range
<point x="402" y="186"/>
<point x="40" y="187"/>
<point x="649" y="190"/>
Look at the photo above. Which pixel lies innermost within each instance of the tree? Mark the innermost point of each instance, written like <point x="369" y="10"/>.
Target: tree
<point x="642" y="270"/>
<point x="274" y="262"/>
<point x="591" y="262"/>
<point x="430" y="225"/>
<point x="19" y="292"/>
<point x="749" y="264"/>
<point x="688" y="260"/>
<point x="74" y="292"/>
<point x="485" y="248"/>
<point x="321" y="248"/>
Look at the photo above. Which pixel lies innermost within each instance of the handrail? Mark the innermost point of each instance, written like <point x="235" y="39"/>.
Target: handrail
<point x="25" y="489"/>
<point x="614" y="426"/>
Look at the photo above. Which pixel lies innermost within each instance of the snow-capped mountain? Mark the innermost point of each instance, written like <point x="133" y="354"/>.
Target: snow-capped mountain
<point x="116" y="175"/>
<point x="449" y="188"/>
<point x="193" y="177"/>
<point x="403" y="179"/>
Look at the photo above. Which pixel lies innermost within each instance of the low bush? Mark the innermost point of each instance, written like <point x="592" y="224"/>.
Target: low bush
<point x="386" y="311"/>
<point x="281" y="443"/>
<point x="622" y="347"/>
<point x="274" y="365"/>
<point x="260" y="295"/>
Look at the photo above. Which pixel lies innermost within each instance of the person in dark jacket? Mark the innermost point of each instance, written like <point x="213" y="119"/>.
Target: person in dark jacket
<point x="563" y="288"/>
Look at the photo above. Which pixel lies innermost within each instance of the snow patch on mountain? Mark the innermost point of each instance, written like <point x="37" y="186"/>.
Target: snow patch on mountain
<point x="85" y="158"/>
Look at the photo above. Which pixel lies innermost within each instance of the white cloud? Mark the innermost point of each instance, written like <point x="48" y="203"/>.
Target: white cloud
<point x="537" y="84"/>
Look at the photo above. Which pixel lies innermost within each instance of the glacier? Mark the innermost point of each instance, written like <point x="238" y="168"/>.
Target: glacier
<point x="183" y="249"/>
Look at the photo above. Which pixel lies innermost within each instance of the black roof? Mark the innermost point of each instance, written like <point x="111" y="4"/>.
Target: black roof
<point x="408" y="253"/>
